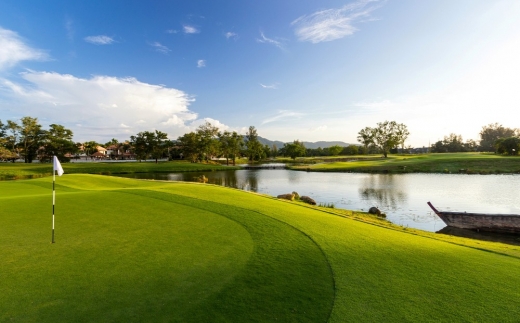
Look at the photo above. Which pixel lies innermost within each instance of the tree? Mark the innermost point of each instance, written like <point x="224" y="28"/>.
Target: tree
<point x="254" y="149"/>
<point x="351" y="150"/>
<point x="274" y="151"/>
<point x="122" y="147"/>
<point x="402" y="133"/>
<point x="508" y="146"/>
<point x="90" y="147"/>
<point x="491" y="133"/>
<point x="385" y="137"/>
<point x="294" y="149"/>
<point x="5" y="153"/>
<point x="2" y="129"/>
<point x="31" y="135"/>
<point x="57" y="141"/>
<point x="208" y="140"/>
<point x="12" y="139"/>
<point x="366" y="137"/>
<point x="188" y="145"/>
<point x="335" y="150"/>
<point x="230" y="143"/>
<point x="149" y="144"/>
<point x="159" y="144"/>
<point x="451" y="144"/>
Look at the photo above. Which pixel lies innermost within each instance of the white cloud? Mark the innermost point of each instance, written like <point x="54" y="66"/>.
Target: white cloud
<point x="230" y="34"/>
<point x="216" y="123"/>
<point x="160" y="48"/>
<point x="331" y="24"/>
<point x="171" y="31"/>
<point x="190" y="29"/>
<point x="105" y="106"/>
<point x="270" y="87"/>
<point x="69" y="27"/>
<point x="14" y="50"/>
<point x="266" y="40"/>
<point x="99" y="40"/>
<point x="319" y="129"/>
<point x="201" y="63"/>
<point x="282" y="114"/>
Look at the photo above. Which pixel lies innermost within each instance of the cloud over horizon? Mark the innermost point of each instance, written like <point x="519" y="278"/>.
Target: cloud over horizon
<point x="101" y="106"/>
<point x="332" y="24"/>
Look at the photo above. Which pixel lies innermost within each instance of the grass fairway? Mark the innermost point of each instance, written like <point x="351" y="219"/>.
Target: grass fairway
<point x="468" y="163"/>
<point x="144" y="251"/>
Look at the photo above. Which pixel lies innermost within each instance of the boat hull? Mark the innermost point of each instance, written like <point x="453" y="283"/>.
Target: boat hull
<point x="480" y="221"/>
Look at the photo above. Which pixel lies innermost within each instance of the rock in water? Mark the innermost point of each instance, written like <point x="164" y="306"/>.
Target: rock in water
<point x="308" y="200"/>
<point x="289" y="197"/>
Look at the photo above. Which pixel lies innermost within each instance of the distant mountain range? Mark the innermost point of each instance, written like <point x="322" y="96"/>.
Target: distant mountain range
<point x="307" y="144"/>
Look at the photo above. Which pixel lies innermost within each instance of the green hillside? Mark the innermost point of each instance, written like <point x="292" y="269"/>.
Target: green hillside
<point x="145" y="251"/>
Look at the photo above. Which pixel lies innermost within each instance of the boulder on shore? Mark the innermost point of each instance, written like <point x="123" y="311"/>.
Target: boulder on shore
<point x="289" y="197"/>
<point x="374" y="210"/>
<point x="296" y="195"/>
<point x="308" y="200"/>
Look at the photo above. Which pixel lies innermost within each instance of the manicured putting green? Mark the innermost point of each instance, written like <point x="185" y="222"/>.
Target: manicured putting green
<point x="134" y="255"/>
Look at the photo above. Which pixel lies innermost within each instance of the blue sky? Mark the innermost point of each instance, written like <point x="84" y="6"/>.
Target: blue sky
<point x="307" y="70"/>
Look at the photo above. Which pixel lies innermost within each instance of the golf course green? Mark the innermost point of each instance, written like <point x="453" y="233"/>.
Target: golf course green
<point x="147" y="251"/>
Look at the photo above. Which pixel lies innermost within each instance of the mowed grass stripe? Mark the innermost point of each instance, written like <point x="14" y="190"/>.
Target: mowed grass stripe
<point x="287" y="279"/>
<point x="115" y="259"/>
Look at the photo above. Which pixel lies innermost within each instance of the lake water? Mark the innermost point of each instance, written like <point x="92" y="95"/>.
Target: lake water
<point x="402" y="197"/>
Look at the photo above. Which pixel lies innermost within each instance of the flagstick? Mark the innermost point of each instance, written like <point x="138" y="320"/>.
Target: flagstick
<point x="53" y="201"/>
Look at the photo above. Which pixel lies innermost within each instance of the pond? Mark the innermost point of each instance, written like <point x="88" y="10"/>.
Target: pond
<point x="402" y="197"/>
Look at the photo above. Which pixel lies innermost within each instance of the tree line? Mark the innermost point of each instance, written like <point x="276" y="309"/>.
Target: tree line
<point x="390" y="136"/>
<point x="493" y="138"/>
<point x="28" y="140"/>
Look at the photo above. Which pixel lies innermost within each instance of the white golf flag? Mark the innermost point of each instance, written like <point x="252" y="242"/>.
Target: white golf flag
<point x="57" y="166"/>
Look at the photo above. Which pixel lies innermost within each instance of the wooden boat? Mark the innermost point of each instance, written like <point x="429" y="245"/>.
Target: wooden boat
<point x="480" y="221"/>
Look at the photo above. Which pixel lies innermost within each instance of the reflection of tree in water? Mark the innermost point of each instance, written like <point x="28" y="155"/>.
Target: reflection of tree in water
<point x="383" y="189"/>
<point x="228" y="179"/>
<point x="252" y="181"/>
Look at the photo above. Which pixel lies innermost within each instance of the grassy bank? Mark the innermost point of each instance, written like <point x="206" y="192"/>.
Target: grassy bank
<point x="467" y="163"/>
<point x="19" y="170"/>
<point x="144" y="251"/>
